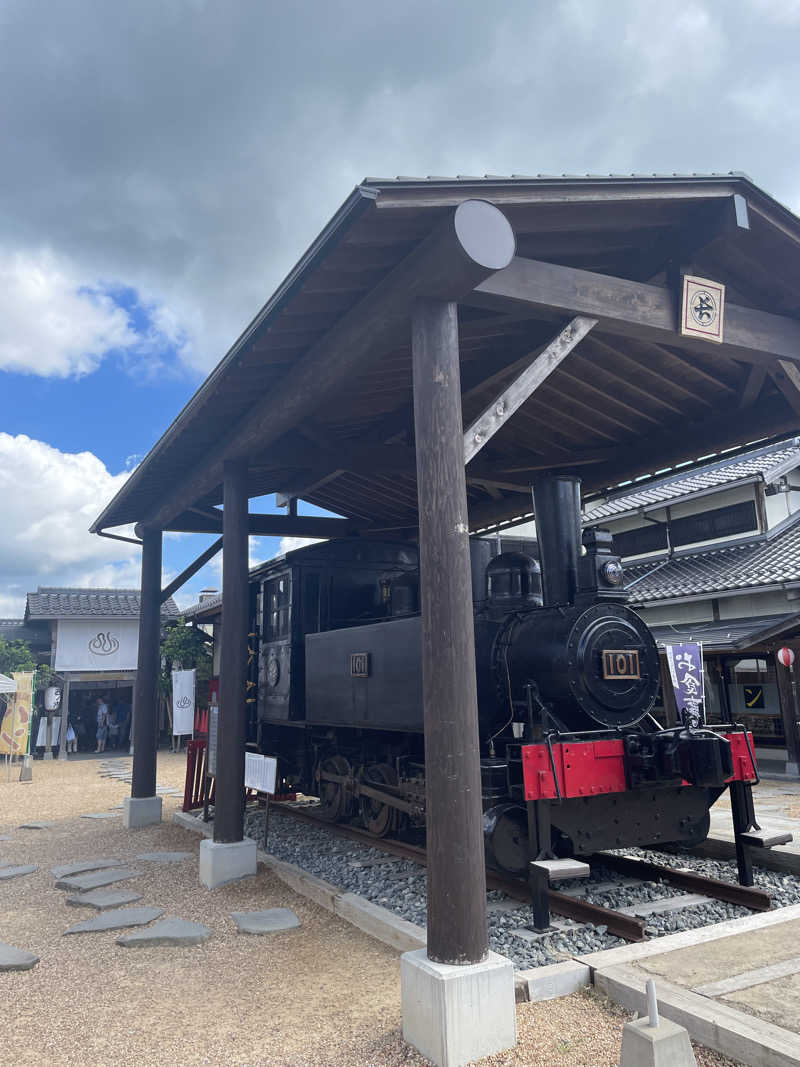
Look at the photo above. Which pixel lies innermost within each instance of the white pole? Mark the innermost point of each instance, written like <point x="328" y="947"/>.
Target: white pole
<point x="652" y="1003"/>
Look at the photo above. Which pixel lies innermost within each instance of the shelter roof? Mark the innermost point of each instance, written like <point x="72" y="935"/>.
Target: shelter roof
<point x="730" y="634"/>
<point x="633" y="395"/>
<point x="66" y="603"/>
<point x="762" y="464"/>
<point x="765" y="561"/>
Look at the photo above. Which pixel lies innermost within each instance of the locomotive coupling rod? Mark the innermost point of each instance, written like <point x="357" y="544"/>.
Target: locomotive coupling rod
<point x="755" y="899"/>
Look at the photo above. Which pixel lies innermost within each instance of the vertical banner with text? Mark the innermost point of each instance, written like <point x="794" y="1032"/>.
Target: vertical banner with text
<point x="16" y="724"/>
<point x="182" y="702"/>
<point x="686" y="671"/>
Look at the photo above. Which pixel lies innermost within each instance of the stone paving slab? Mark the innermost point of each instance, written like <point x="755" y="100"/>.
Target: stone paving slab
<point x="97" y="879"/>
<point x="36" y="825"/>
<point x="167" y="932"/>
<point x="16" y="959"/>
<point x="15" y="872"/>
<point x="117" y="919"/>
<point x="100" y="815"/>
<point x="104" y="898"/>
<point x="269" y="921"/>
<point x="164" y="857"/>
<point x="82" y="866"/>
<point x="5" y="837"/>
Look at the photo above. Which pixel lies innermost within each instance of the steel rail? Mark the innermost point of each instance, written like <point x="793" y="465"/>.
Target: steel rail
<point x="755" y="899"/>
<point x="625" y="926"/>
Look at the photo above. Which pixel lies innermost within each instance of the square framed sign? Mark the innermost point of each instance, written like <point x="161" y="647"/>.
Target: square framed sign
<point x="702" y="308"/>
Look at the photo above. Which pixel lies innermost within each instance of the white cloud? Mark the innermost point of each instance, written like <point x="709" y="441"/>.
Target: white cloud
<point x="48" y="500"/>
<point x="56" y="321"/>
<point x="289" y="544"/>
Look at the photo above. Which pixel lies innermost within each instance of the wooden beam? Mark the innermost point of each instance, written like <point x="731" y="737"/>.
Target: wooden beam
<point x="786" y="376"/>
<point x="471" y="243"/>
<point x="269" y="525"/>
<point x="191" y="570"/>
<point x="514" y="395"/>
<point x="753" y="385"/>
<point x="633" y="309"/>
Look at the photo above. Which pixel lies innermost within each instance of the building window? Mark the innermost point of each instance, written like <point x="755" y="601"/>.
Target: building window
<point x="716" y="524"/>
<point x="277" y="600"/>
<point x="648" y="538"/>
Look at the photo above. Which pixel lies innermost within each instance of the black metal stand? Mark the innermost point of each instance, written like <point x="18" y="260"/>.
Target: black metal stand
<point x="539" y="881"/>
<point x="744" y="819"/>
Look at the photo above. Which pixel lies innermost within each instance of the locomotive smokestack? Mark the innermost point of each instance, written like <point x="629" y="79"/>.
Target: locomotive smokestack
<point x="557" y="504"/>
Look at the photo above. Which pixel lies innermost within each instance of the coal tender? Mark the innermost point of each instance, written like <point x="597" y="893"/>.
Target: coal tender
<point x="572" y="761"/>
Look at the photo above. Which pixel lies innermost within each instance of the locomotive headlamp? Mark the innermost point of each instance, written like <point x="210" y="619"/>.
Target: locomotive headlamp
<point x="612" y="572"/>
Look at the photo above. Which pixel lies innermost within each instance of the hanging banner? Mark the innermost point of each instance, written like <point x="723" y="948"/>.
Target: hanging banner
<point x="16" y="722"/>
<point x="182" y="702"/>
<point x="686" y="671"/>
<point x="98" y="645"/>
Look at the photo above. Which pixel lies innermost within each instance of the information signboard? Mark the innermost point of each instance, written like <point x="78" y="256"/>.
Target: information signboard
<point x="260" y="772"/>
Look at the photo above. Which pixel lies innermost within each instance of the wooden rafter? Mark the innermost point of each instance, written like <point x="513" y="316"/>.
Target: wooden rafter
<point x="495" y="416"/>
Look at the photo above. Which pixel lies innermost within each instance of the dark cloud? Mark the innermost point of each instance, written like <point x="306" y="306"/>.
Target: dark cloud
<point x="192" y="149"/>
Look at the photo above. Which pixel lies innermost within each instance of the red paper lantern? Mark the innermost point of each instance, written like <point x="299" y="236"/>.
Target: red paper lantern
<point x="785" y="657"/>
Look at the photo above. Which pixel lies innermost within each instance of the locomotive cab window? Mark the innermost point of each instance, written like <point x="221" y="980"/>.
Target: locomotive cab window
<point x="277" y="601"/>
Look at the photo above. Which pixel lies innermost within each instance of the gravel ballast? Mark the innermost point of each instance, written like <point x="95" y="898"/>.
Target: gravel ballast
<point x="400" y="886"/>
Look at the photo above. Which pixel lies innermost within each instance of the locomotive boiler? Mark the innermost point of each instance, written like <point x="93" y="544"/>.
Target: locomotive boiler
<point x="572" y="759"/>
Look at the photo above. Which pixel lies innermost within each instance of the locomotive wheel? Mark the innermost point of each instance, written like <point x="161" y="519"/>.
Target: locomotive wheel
<point x="378" y="818"/>
<point x="334" y="800"/>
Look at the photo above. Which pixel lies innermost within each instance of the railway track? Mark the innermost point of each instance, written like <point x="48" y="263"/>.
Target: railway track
<point x="628" y="927"/>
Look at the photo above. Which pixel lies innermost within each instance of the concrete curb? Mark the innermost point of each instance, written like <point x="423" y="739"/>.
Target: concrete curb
<point x="611" y="957"/>
<point x="370" y="918"/>
<point x="710" y="1022"/>
<point x="555" y="980"/>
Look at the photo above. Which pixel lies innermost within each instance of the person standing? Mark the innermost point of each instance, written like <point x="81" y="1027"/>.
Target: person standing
<point x="102" y="724"/>
<point x="72" y="740"/>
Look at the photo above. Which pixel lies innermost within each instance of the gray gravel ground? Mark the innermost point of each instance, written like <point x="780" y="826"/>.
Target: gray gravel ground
<point x="400" y="886"/>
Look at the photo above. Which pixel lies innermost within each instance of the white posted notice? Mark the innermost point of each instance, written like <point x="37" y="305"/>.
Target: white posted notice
<point x="259" y="772"/>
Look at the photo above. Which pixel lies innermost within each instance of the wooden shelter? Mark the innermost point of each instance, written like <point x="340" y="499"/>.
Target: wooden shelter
<point x="557" y="303"/>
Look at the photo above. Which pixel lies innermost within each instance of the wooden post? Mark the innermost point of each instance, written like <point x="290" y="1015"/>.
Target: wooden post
<point x="229" y="804"/>
<point x="457" y="930"/>
<point x="145" y="689"/>
<point x="783" y="676"/>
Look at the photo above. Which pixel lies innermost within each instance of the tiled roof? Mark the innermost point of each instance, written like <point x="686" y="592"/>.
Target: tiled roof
<point x="727" y="633"/>
<point x="740" y="566"/>
<point x="211" y="606"/>
<point x="61" y="603"/>
<point x="16" y="630"/>
<point x="761" y="463"/>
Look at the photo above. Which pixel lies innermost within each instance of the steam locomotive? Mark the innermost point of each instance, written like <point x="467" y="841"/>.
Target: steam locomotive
<point x="572" y="758"/>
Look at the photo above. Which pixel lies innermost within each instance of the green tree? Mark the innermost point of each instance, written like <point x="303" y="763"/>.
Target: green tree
<point x="187" y="646"/>
<point x="17" y="656"/>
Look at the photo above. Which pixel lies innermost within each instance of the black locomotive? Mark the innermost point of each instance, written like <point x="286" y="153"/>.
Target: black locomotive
<point x="572" y="759"/>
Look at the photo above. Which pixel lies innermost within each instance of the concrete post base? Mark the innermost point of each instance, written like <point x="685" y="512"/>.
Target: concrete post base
<point x="141" y="811"/>
<point x="454" y="1015"/>
<point x="222" y="861"/>
<point x="665" y="1045"/>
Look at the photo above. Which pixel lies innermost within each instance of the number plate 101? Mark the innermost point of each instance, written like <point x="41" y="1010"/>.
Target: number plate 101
<point x="621" y="663"/>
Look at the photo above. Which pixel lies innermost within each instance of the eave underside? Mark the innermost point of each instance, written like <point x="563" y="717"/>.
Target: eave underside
<point x="617" y="408"/>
